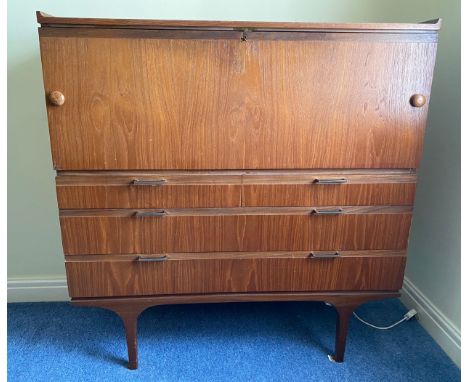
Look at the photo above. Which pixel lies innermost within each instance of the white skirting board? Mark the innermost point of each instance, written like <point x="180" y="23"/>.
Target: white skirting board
<point x="444" y="332"/>
<point x="37" y="290"/>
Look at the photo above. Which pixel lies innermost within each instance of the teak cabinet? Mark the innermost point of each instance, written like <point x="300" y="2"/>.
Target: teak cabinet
<point x="204" y="161"/>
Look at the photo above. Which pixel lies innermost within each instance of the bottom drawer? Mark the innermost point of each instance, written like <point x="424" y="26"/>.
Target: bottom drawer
<point x="185" y="273"/>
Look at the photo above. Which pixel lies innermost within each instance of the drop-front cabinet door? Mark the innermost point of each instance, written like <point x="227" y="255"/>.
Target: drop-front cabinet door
<point x="146" y="99"/>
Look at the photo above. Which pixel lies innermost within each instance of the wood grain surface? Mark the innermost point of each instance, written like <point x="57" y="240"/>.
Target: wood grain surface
<point x="263" y="274"/>
<point x="167" y="196"/>
<point x="46" y="19"/>
<point x="127" y="234"/>
<point x="239" y="35"/>
<point x="233" y="189"/>
<point x="338" y="298"/>
<point x="173" y="212"/>
<point x="306" y="176"/>
<point x="328" y="195"/>
<point x="209" y="196"/>
<point x="254" y="104"/>
<point x="231" y="255"/>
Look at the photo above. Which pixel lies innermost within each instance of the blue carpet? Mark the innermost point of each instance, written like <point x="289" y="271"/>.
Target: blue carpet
<point x="220" y="342"/>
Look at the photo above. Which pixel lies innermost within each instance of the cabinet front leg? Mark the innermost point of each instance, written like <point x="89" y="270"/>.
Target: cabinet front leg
<point x="344" y="313"/>
<point x="130" y="321"/>
<point x="128" y="310"/>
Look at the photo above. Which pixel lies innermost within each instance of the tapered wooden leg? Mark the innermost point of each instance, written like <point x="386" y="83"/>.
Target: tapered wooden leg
<point x="128" y="310"/>
<point x="342" y="321"/>
<point x="130" y="321"/>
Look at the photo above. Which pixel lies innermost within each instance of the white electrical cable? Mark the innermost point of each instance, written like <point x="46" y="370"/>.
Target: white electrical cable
<point x="379" y="327"/>
<point x="406" y="317"/>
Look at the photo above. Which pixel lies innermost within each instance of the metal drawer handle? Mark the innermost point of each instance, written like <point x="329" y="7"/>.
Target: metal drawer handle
<point x="336" y="211"/>
<point x="144" y="259"/>
<point x="147" y="214"/>
<point x="147" y="182"/>
<point x="330" y="181"/>
<point x="325" y="255"/>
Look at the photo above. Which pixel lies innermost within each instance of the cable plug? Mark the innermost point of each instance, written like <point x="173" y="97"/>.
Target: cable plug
<point x="410" y="314"/>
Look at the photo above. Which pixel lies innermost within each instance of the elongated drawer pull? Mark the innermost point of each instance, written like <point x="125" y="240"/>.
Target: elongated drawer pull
<point x="147" y="182"/>
<point x="144" y="259"/>
<point x="334" y="211"/>
<point x="324" y="255"/>
<point x="147" y="214"/>
<point x="330" y="181"/>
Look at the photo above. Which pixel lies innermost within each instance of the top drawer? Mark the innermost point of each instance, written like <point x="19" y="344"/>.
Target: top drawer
<point x="222" y="189"/>
<point x="154" y="99"/>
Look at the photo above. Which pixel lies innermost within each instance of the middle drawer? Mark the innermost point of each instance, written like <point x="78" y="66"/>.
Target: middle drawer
<point x="234" y="229"/>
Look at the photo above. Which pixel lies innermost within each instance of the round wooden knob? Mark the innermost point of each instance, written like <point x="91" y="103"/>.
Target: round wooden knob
<point x="417" y="100"/>
<point x="56" y="98"/>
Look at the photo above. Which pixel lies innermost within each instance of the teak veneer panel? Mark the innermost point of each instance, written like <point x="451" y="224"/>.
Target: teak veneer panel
<point x="212" y="275"/>
<point x="328" y="195"/>
<point x="219" y="233"/>
<point x="355" y="176"/>
<point x="233" y="189"/>
<point x="109" y="177"/>
<point x="231" y="255"/>
<point x="168" y="212"/>
<point x="255" y="104"/>
<point x="45" y="19"/>
<point x="239" y="35"/>
<point x="167" y="196"/>
<point x="198" y="196"/>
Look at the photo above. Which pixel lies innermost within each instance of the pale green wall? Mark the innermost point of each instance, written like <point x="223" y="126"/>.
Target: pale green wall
<point x="34" y="248"/>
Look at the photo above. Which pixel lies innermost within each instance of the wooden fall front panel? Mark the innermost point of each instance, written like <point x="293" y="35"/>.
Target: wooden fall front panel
<point x="204" y="161"/>
<point x="339" y="100"/>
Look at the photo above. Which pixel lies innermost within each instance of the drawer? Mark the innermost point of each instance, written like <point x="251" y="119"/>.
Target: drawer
<point x="217" y="189"/>
<point x="106" y="276"/>
<point x="234" y="229"/>
<point x="148" y="190"/>
<point x="328" y="188"/>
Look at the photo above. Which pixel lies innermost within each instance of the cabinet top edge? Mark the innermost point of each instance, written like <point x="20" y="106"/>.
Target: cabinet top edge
<point x="51" y="21"/>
